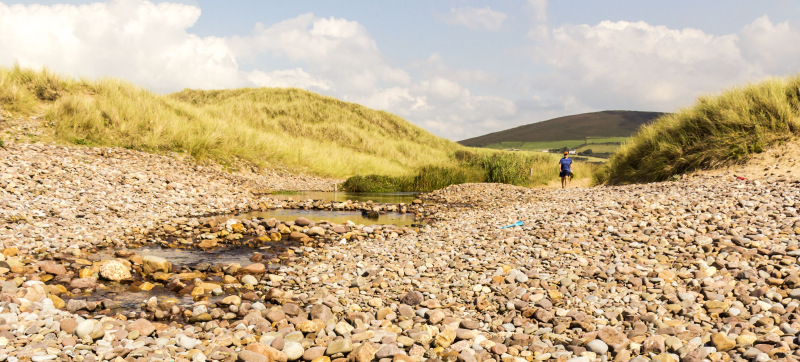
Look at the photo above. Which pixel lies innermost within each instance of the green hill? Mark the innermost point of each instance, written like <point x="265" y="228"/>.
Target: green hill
<point x="576" y="127"/>
<point x="268" y="127"/>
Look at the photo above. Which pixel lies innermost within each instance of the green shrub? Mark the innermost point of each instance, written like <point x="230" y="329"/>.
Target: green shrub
<point x="372" y="183"/>
<point x="465" y="156"/>
<point x="431" y="178"/>
<point x="510" y="168"/>
<point x="506" y="168"/>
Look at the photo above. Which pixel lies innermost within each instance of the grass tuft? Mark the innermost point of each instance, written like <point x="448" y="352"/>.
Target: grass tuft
<point x="717" y="131"/>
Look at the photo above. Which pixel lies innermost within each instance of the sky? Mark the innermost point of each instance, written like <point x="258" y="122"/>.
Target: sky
<point x="456" y="68"/>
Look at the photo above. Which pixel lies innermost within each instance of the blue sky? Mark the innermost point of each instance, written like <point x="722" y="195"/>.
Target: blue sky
<point x="458" y="69"/>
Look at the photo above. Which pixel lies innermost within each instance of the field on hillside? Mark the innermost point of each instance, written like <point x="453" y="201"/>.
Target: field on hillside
<point x="604" y="146"/>
<point x="601" y="140"/>
<point x="536" y="146"/>
<point x="599" y="148"/>
<point x="546" y="145"/>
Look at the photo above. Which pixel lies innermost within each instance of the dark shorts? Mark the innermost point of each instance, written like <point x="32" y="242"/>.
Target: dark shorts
<point x="565" y="174"/>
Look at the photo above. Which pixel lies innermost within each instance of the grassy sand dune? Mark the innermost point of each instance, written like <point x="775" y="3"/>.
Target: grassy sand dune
<point x="286" y="128"/>
<point x="718" y="131"/>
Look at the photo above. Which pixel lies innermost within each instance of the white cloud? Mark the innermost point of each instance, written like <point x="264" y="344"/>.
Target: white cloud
<point x="436" y="66"/>
<point x="643" y="66"/>
<point x="336" y="50"/>
<point x="608" y="65"/>
<point x="772" y="48"/>
<point x="539" y="8"/>
<point x="474" y="18"/>
<point x="289" y="78"/>
<point x="442" y="90"/>
<point x="142" y="42"/>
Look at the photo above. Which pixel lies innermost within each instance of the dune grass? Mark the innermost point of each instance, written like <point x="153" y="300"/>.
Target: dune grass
<point x="267" y="127"/>
<point x="717" y="131"/>
<point x="289" y="129"/>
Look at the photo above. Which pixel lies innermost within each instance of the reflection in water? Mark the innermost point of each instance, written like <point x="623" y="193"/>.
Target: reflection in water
<point x="336" y="217"/>
<point x="219" y="256"/>
<point x="379" y="198"/>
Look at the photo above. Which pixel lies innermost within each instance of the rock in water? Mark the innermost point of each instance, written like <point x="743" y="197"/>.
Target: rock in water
<point x="370" y="214"/>
<point x="152" y="264"/>
<point x="114" y="270"/>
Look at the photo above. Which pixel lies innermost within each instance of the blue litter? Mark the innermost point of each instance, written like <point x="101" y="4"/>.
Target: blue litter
<point x="518" y="223"/>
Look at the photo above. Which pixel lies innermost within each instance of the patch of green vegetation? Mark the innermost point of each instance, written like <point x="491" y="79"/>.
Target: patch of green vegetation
<point x="717" y="131"/>
<point x="522" y="169"/>
<point x="614" y="142"/>
<point x="375" y="183"/>
<point x="536" y="146"/>
<point x="284" y="192"/>
<point x="599" y="148"/>
<point x="593" y="140"/>
<point x="2" y="144"/>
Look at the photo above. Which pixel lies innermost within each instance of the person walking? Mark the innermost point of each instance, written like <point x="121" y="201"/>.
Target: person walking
<point x="565" y="169"/>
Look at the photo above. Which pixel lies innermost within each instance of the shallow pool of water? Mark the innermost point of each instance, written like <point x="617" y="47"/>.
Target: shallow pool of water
<point x="131" y="299"/>
<point x="223" y="255"/>
<point x="337" y="217"/>
<point x="379" y="198"/>
<point x="219" y="256"/>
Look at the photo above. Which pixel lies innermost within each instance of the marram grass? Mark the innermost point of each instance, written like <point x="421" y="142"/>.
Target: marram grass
<point x="283" y="128"/>
<point x="266" y="127"/>
<point x="717" y="131"/>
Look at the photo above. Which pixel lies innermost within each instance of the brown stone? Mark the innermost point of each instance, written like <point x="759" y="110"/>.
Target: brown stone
<point x="722" y="342"/>
<point x="143" y="326"/>
<point x="51" y="267"/>
<point x="68" y="325"/>
<point x="654" y="344"/>
<point x="613" y="338"/>
<point x="363" y="353"/>
<point x="255" y="269"/>
<point x="272" y="354"/>
<point x="83" y="283"/>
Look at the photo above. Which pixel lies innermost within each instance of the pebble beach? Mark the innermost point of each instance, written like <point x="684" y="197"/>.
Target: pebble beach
<point x="701" y="269"/>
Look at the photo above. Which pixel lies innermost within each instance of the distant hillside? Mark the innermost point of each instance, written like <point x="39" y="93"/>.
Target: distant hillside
<point x="576" y="127"/>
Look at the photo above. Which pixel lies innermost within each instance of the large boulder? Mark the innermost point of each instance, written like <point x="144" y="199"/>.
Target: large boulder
<point x="114" y="270"/>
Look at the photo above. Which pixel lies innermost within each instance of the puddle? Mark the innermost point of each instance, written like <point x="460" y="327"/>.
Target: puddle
<point x="220" y="256"/>
<point x="336" y="217"/>
<point x="378" y="198"/>
<point x="130" y="299"/>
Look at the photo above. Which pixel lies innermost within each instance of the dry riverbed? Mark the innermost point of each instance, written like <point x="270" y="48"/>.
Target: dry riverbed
<point x="700" y="269"/>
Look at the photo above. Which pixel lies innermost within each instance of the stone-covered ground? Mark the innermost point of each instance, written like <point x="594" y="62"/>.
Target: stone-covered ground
<point x="700" y="269"/>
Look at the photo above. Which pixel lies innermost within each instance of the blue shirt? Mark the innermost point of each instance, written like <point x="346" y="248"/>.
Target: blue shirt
<point x="566" y="164"/>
